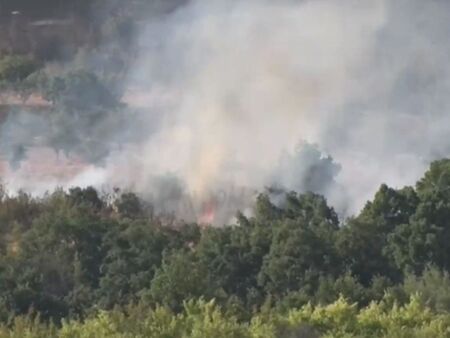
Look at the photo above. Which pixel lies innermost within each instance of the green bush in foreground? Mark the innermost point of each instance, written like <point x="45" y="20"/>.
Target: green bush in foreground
<point x="205" y="319"/>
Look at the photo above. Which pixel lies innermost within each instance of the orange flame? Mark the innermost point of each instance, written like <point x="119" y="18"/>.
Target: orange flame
<point x="208" y="212"/>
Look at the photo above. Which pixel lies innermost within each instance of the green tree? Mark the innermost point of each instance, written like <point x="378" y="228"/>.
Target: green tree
<point x="134" y="252"/>
<point x="432" y="287"/>
<point x="362" y="242"/>
<point x="231" y="258"/>
<point x="424" y="240"/>
<point x="302" y="245"/>
<point x="16" y="68"/>
<point x="180" y="278"/>
<point x="86" y="118"/>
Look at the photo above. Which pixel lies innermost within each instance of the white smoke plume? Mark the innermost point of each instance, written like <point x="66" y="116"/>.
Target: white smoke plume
<point x="230" y="88"/>
<point x="247" y="81"/>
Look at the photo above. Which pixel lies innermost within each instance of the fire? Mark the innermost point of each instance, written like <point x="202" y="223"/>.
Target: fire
<point x="208" y="212"/>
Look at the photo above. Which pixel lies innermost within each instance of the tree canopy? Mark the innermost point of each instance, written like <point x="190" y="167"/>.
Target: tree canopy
<point x="71" y="253"/>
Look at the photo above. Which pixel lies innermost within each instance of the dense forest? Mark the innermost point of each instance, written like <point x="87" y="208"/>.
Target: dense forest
<point x="80" y="262"/>
<point x="111" y="264"/>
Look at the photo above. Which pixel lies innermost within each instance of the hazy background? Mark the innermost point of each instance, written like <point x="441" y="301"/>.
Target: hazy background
<point x="226" y="98"/>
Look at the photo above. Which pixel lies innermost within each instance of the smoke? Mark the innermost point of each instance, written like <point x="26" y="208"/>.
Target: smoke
<point x="228" y="89"/>
<point x="248" y="80"/>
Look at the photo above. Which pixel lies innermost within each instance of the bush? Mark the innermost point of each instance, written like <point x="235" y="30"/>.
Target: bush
<point x="200" y="319"/>
<point x="15" y="68"/>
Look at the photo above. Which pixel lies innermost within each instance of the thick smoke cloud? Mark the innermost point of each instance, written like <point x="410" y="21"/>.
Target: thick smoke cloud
<point x="230" y="88"/>
<point x="247" y="81"/>
<point x="367" y="82"/>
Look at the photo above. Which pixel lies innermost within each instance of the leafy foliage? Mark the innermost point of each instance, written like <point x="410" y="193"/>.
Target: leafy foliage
<point x="80" y="260"/>
<point x="200" y="319"/>
<point x="16" y="68"/>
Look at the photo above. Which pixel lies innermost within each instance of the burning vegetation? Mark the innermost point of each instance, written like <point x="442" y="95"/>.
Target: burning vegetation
<point x="191" y="168"/>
